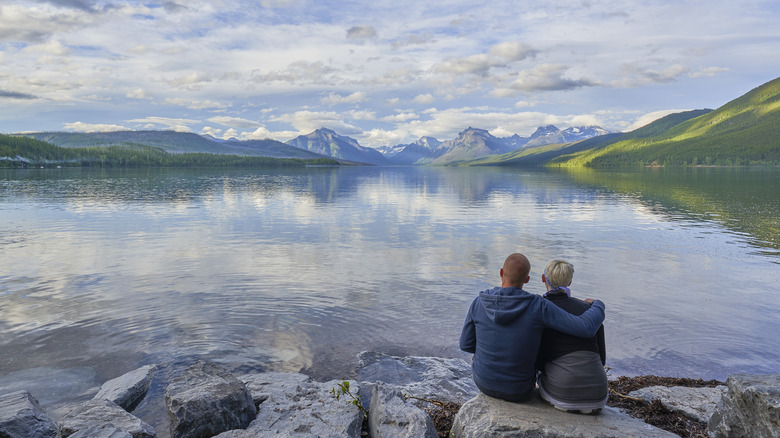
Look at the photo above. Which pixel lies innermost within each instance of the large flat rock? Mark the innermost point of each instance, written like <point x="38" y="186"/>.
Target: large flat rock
<point x="483" y="417"/>
<point x="695" y="403"/>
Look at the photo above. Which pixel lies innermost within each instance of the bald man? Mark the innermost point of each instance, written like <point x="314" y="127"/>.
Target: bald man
<point x="503" y="330"/>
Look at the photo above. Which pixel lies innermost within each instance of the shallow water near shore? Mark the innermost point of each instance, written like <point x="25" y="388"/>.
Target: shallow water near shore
<point x="104" y="271"/>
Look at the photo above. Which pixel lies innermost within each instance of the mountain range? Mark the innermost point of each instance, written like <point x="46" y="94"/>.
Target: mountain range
<point x="743" y="131"/>
<point x="470" y="144"/>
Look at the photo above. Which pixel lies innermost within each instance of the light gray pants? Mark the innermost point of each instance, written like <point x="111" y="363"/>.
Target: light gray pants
<point x="576" y="381"/>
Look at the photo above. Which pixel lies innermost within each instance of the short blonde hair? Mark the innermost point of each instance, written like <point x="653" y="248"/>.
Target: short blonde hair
<point x="558" y="273"/>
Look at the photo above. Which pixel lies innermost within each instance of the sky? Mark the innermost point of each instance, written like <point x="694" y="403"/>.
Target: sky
<point x="384" y="72"/>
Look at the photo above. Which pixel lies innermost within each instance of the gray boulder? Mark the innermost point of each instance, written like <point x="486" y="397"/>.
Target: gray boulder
<point x="391" y="416"/>
<point x="695" y="403"/>
<point x="129" y="389"/>
<point x="206" y="400"/>
<point x="99" y="412"/>
<point x="749" y="408"/>
<point x="426" y="377"/>
<point x="280" y="386"/>
<point x="102" y="431"/>
<point x="294" y="405"/>
<point x="21" y="416"/>
<point x="484" y="416"/>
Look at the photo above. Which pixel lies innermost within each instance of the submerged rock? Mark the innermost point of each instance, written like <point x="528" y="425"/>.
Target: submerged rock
<point x="129" y="389"/>
<point x="426" y="377"/>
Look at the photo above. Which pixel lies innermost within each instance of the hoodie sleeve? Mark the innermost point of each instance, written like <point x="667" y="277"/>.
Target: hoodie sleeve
<point x="584" y="326"/>
<point x="468" y="336"/>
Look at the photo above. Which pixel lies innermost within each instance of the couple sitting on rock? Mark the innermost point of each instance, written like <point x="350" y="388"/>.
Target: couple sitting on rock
<point x="522" y="340"/>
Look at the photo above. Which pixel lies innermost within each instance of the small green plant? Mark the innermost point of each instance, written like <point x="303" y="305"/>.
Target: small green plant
<point x="342" y="389"/>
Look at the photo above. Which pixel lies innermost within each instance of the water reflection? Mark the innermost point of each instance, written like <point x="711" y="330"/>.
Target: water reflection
<point x="744" y="200"/>
<point x="302" y="269"/>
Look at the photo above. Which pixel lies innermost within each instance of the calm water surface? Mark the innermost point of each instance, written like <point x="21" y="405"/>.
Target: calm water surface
<point x="299" y="270"/>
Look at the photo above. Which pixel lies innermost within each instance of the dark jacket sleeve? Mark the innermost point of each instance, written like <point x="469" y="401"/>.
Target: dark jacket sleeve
<point x="468" y="336"/>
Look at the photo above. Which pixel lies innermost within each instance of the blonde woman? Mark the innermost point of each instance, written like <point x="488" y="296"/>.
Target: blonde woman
<point x="572" y="374"/>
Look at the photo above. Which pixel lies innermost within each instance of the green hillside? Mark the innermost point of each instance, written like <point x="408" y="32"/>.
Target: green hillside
<point x="20" y="151"/>
<point x="744" y="131"/>
<point x="528" y="156"/>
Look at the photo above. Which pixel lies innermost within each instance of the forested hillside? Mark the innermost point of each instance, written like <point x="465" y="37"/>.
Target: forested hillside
<point x="19" y="151"/>
<point x="744" y="131"/>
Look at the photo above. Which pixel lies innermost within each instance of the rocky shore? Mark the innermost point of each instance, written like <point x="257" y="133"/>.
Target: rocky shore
<point x="391" y="397"/>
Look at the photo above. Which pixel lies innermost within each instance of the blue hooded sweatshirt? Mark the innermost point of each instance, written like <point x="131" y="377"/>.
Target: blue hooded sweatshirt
<point x="503" y="330"/>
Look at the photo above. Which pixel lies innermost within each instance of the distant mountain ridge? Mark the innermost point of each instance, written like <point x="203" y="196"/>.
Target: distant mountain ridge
<point x="175" y="142"/>
<point x="326" y="142"/>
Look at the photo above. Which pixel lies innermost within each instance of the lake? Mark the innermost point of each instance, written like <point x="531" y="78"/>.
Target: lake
<point x="299" y="270"/>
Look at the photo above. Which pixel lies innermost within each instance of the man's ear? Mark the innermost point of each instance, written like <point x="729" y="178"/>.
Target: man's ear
<point x="527" y="279"/>
<point x="501" y="272"/>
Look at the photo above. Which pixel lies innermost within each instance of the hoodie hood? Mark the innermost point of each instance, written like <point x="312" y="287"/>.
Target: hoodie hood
<point x="504" y="304"/>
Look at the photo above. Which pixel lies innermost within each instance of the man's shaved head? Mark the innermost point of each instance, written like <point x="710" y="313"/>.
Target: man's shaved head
<point x="516" y="269"/>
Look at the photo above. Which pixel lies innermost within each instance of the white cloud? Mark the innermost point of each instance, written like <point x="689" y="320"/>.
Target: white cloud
<point x="93" y="127"/>
<point x="188" y="79"/>
<point x="173" y="124"/>
<point x="235" y="122"/>
<point x="524" y="104"/>
<point x="546" y="77"/>
<point x="634" y="76"/>
<point x="513" y="51"/>
<point x="277" y="3"/>
<point x="335" y="99"/>
<point x="309" y="121"/>
<point x="361" y="115"/>
<point x="708" y="72"/>
<point x="263" y="133"/>
<point x="424" y="99"/>
<point x="138" y="93"/>
<point x="230" y="133"/>
<point x="361" y="32"/>
<point x="401" y="117"/>
<point x="474" y="64"/>
<point x="648" y="118"/>
<point x="208" y="130"/>
<point x="195" y="104"/>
